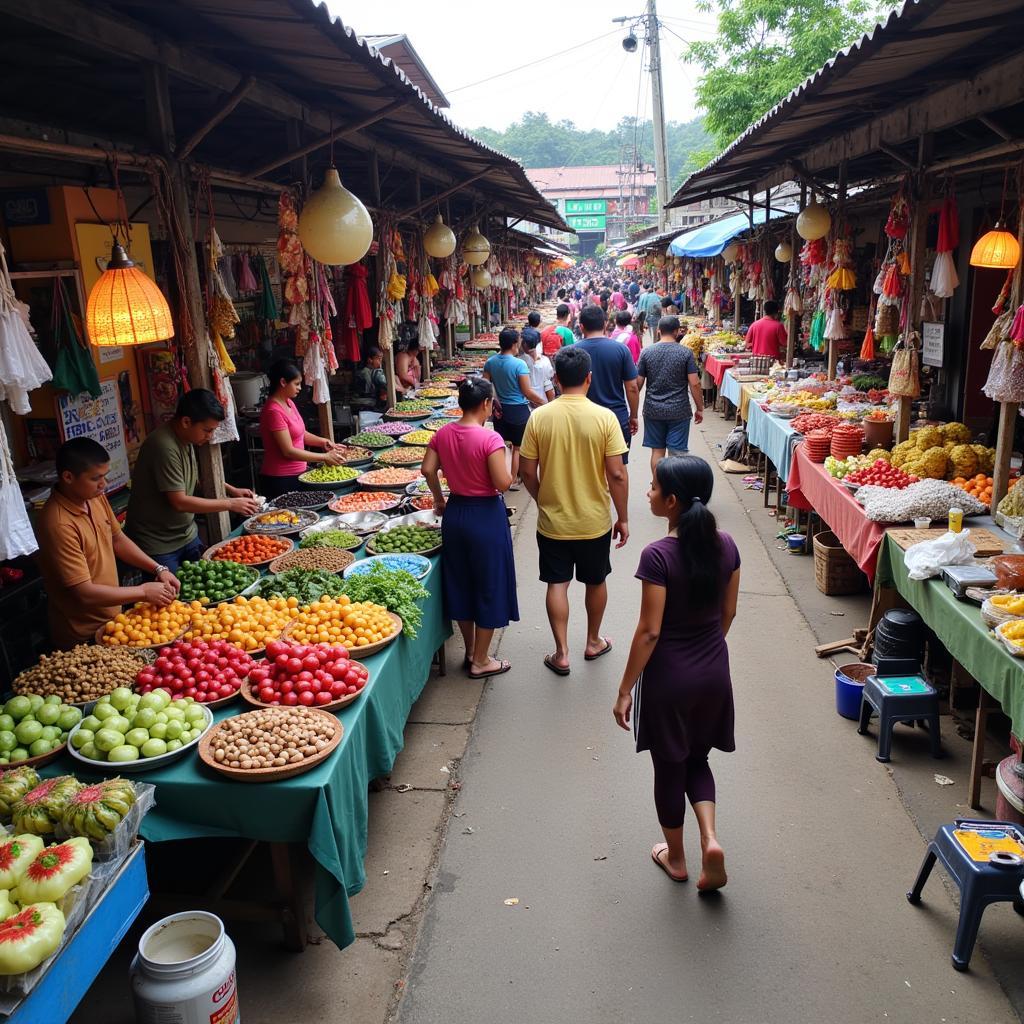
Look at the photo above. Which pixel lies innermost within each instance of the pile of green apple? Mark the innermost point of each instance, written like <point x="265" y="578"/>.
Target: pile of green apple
<point x="31" y="725"/>
<point x="126" y="726"/>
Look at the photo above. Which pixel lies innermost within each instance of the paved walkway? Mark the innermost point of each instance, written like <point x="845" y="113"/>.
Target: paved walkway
<point x="556" y="811"/>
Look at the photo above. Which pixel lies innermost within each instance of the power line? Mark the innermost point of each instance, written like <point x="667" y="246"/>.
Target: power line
<point x="532" y="63"/>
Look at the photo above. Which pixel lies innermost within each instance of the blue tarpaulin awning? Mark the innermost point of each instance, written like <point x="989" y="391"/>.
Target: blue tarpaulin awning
<point x="711" y="239"/>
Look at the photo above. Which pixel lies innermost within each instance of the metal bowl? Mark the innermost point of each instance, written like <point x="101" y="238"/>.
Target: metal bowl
<point x="361" y="522"/>
<point x="425" y="518"/>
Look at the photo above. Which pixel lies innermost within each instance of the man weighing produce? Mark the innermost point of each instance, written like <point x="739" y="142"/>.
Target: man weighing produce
<point x="80" y="541"/>
<point x="163" y="507"/>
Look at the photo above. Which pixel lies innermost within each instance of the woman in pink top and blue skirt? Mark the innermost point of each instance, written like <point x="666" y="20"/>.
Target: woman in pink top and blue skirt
<point x="479" y="578"/>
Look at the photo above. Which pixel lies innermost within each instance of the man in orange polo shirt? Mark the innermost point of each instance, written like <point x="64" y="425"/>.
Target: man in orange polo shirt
<point x="80" y="541"/>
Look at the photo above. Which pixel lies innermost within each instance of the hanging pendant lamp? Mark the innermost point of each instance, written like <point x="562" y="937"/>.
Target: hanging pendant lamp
<point x="439" y="240"/>
<point x="125" y="307"/>
<point x="475" y="248"/>
<point x="996" y="249"/>
<point x="481" y="278"/>
<point x="335" y="227"/>
<point x="813" y="222"/>
<point x="784" y="252"/>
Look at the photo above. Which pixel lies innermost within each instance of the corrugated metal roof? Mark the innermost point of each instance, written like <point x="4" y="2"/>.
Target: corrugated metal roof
<point x="922" y="44"/>
<point x="399" y="49"/>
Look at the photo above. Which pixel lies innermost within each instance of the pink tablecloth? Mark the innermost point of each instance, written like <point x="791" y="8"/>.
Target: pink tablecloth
<point x="810" y="487"/>
<point x="717" y="368"/>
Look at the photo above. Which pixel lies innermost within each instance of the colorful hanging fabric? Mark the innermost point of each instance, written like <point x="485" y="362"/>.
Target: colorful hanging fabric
<point x="1017" y="328"/>
<point x="357" y="314"/>
<point x="898" y="223"/>
<point x="817" y="335"/>
<point x="247" y="282"/>
<point x="867" y="348"/>
<point x="266" y="304"/>
<point x="944" y="279"/>
<point x="290" y="253"/>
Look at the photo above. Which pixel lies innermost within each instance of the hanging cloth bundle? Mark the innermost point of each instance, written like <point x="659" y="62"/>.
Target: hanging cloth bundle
<point x="944" y="277"/>
<point x="22" y="368"/>
<point x="357" y="314"/>
<point x="867" y="347"/>
<point x="16" y="536"/>
<point x="247" y="283"/>
<point x="817" y="336"/>
<point x="73" y="370"/>
<point x="266" y="304"/>
<point x="905" y="375"/>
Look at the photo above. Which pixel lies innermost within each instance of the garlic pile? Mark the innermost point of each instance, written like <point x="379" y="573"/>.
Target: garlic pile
<point x="931" y="498"/>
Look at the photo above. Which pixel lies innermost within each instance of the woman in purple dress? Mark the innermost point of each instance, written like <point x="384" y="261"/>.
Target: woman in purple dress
<point x="676" y="683"/>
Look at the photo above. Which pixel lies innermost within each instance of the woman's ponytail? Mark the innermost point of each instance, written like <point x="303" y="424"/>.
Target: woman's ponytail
<point x="690" y="480"/>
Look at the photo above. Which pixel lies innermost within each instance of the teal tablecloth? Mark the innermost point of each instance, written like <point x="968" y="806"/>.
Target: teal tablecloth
<point x="774" y="436"/>
<point x="325" y="808"/>
<point x="959" y="626"/>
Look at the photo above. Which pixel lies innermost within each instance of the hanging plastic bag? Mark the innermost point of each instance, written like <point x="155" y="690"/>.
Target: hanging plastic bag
<point x="22" y="367"/>
<point x="73" y="371"/>
<point x="16" y="536"/>
<point x="905" y="376"/>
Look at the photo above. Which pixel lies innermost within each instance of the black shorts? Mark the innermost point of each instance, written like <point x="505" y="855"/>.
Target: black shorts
<point x="590" y="558"/>
<point x="511" y="424"/>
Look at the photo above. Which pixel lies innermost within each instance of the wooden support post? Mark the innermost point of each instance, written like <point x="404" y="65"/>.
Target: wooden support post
<point x="1007" y="410"/>
<point x="793" y="326"/>
<point x="985" y="705"/>
<point x="160" y="124"/>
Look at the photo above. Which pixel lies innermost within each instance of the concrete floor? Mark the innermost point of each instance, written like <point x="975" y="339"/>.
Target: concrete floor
<point x="557" y="814"/>
<point x="555" y="810"/>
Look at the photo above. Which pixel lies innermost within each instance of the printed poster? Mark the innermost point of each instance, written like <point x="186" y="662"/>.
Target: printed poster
<point x="98" y="418"/>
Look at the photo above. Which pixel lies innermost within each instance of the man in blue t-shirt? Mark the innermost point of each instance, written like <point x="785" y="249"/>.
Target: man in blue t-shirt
<point x="613" y="381"/>
<point x="513" y="395"/>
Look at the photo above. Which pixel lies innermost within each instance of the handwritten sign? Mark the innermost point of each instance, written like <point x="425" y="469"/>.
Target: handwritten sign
<point x="932" y="337"/>
<point x="100" y="419"/>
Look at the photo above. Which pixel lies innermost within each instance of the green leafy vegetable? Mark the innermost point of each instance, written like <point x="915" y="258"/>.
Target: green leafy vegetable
<point x="330" y="539"/>
<point x="395" y="589"/>
<point x="308" y="585"/>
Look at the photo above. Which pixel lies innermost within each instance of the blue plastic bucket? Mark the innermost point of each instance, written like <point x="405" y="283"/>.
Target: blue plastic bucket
<point x="849" y="687"/>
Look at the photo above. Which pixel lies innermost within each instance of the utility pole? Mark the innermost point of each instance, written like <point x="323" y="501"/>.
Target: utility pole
<point x="629" y="44"/>
<point x="658" y="111"/>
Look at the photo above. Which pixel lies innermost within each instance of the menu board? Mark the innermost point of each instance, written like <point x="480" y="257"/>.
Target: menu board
<point x="98" y="418"/>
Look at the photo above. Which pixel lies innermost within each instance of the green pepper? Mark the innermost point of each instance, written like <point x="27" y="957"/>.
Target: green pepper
<point x="29" y="937"/>
<point x="54" y="871"/>
<point x="15" y="856"/>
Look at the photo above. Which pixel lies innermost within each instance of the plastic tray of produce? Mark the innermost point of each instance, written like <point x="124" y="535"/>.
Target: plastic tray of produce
<point x="115" y="847"/>
<point x="1013" y="525"/>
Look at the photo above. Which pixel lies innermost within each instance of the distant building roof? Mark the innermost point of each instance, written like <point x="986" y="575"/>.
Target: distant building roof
<point x="400" y="51"/>
<point x="599" y="181"/>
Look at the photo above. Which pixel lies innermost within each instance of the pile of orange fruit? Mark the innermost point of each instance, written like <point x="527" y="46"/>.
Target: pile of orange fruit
<point x="340" y="620"/>
<point x="145" y="625"/>
<point x="252" y="548"/>
<point x="979" y="486"/>
<point x="247" y="622"/>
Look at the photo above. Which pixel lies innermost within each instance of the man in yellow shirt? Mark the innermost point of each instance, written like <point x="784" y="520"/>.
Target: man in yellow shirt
<point x="571" y="463"/>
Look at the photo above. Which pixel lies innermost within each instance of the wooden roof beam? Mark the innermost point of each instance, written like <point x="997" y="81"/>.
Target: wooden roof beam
<point x="238" y="94"/>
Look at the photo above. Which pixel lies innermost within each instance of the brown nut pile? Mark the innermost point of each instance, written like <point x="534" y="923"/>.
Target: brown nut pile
<point x="330" y="559"/>
<point x="271" y="737"/>
<point x="86" y="672"/>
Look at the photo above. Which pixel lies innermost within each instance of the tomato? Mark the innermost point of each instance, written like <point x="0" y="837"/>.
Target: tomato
<point x="338" y="670"/>
<point x="145" y="678"/>
<point x="337" y="689"/>
<point x="287" y="686"/>
<point x="323" y="697"/>
<point x="294" y="666"/>
<point x="267" y="694"/>
<point x="190" y="691"/>
<point x="289" y="700"/>
<point x="353" y="689"/>
<point x="162" y="664"/>
<point x="306" y="699"/>
<point x="202" y="696"/>
<point x="275" y="648"/>
<point x="281" y="661"/>
<point x="259" y="675"/>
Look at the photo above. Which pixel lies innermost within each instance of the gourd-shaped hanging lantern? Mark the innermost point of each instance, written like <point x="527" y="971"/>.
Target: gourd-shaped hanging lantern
<point x="335" y="227"/>
<point x="813" y="222"/>
<point x="439" y="240"/>
<point x="475" y="248"/>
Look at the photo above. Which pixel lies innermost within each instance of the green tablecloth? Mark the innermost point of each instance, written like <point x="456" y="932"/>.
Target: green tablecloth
<point x="959" y="626"/>
<point x="327" y="807"/>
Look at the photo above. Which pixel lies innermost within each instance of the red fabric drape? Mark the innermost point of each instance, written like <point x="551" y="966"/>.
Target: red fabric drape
<point x="949" y="226"/>
<point x="357" y="314"/>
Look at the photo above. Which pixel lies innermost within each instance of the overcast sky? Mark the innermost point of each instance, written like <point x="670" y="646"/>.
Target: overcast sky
<point x="594" y="85"/>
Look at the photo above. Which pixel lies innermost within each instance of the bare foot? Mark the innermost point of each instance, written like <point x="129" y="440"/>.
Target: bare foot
<point x="676" y="870"/>
<point x="712" y="874"/>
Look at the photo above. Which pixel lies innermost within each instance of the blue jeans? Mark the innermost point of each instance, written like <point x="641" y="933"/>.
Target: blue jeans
<point x="671" y="434"/>
<point x="191" y="552"/>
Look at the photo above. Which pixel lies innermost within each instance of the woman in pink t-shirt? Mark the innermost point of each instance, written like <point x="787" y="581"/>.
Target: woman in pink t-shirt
<point x="479" y="578"/>
<point x="285" y="436"/>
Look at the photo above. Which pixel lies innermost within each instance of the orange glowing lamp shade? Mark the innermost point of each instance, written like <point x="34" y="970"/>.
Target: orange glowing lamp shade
<point x="125" y="307"/>
<point x="997" y="249"/>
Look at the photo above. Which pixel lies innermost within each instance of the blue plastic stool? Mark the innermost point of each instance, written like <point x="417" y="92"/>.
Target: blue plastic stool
<point x="898" y="693"/>
<point x="986" y="860"/>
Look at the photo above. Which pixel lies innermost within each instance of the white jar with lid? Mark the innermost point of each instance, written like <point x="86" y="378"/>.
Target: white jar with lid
<point x="184" y="972"/>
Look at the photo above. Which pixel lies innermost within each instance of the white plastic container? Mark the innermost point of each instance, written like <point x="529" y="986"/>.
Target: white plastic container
<point x="184" y="972"/>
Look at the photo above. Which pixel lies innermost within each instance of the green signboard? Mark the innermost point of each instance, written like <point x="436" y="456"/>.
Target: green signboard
<point x="587" y="222"/>
<point x="586" y="206"/>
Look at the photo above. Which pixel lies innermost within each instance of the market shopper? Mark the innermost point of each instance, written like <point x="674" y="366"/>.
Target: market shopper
<point x="556" y="336"/>
<point x="649" y="304"/>
<point x="479" y="578"/>
<point x="163" y="506"/>
<point x="407" y="367"/>
<point x="371" y="381"/>
<point x="80" y="542"/>
<point x="542" y="373"/>
<point x="676" y="684"/>
<point x="531" y="332"/>
<point x="614" y="374"/>
<point x="767" y="336"/>
<point x="667" y="369"/>
<point x="624" y="333"/>
<point x="572" y="466"/>
<point x="513" y="392"/>
<point x="284" y="434"/>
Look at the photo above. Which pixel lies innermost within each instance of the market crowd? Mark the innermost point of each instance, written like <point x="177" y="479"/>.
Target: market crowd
<point x="564" y="400"/>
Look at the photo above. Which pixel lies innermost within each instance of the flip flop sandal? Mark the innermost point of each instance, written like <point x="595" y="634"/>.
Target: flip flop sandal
<point x="601" y="653"/>
<point x="505" y="667"/>
<point x="557" y="669"/>
<point x="664" y="867"/>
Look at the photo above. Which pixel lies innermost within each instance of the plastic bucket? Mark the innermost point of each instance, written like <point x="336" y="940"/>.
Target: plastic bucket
<point x="849" y="687"/>
<point x="797" y="543"/>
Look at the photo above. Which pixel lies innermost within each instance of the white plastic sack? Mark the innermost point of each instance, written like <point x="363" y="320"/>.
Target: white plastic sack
<point x="16" y="536"/>
<point x="927" y="559"/>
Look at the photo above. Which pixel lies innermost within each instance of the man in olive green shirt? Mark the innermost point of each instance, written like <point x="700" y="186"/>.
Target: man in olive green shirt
<point x="162" y="508"/>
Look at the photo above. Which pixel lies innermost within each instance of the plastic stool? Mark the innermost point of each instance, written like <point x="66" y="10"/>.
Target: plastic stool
<point x="986" y="860"/>
<point x="899" y="698"/>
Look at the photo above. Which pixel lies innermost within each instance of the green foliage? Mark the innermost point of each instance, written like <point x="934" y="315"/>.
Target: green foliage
<point x="600" y="249"/>
<point x="763" y="49"/>
<point x="536" y="141"/>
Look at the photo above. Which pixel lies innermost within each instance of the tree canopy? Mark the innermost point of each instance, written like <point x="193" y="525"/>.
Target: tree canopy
<point x="763" y="49"/>
<point x="537" y="141"/>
